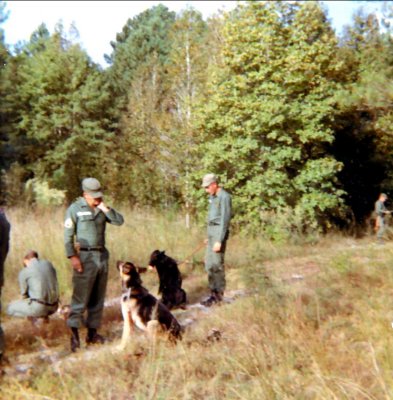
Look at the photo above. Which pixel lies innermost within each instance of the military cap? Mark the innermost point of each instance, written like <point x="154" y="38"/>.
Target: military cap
<point x="208" y="179"/>
<point x="92" y="187"/>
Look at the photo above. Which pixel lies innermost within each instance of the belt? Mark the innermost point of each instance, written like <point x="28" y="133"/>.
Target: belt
<point x="96" y="248"/>
<point x="45" y="303"/>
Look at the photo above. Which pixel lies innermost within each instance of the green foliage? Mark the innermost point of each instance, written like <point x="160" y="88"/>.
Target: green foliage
<point x="137" y="170"/>
<point x="66" y="112"/>
<point x="365" y="121"/>
<point x="297" y="125"/>
<point x="12" y="183"/>
<point x="268" y="122"/>
<point x="163" y="83"/>
<point x="43" y="195"/>
<point x="144" y="38"/>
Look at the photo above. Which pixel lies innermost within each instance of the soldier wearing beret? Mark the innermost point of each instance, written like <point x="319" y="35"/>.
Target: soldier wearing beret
<point x="219" y="216"/>
<point x="84" y="237"/>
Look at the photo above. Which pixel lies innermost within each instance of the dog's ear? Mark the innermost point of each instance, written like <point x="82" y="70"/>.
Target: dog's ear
<point x="162" y="253"/>
<point x="154" y="254"/>
<point x="128" y="266"/>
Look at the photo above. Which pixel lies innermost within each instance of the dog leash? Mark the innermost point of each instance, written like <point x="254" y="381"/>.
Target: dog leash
<point x="202" y="244"/>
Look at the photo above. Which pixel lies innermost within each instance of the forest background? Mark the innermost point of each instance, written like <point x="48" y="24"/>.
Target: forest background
<point x="295" y="119"/>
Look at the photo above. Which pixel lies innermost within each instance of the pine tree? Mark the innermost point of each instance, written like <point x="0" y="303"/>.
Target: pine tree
<point x="138" y="78"/>
<point x="66" y="111"/>
<point x="187" y="74"/>
<point x="364" y="126"/>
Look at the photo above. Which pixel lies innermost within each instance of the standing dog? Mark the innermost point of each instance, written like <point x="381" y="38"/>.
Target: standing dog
<point x="142" y="309"/>
<point x="172" y="294"/>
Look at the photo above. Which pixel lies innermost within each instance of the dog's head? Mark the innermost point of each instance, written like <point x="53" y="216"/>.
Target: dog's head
<point x="155" y="258"/>
<point x="129" y="273"/>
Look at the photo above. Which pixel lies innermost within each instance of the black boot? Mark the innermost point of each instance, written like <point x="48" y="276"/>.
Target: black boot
<point x="2" y="372"/>
<point x="215" y="297"/>
<point x="93" y="337"/>
<point x="75" y="342"/>
<point x="219" y="295"/>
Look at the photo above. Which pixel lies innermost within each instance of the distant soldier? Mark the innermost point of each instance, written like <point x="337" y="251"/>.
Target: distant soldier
<point x="84" y="237"/>
<point x="219" y="216"/>
<point x="381" y="211"/>
<point x="39" y="289"/>
<point x="5" y="228"/>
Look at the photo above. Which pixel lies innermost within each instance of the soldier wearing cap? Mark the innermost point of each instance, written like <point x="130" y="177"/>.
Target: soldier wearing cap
<point x="84" y="237"/>
<point x="219" y="216"/>
<point x="381" y="211"/>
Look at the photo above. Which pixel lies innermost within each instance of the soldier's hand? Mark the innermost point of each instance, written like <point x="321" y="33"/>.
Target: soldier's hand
<point x="102" y="206"/>
<point x="217" y="247"/>
<point x="76" y="263"/>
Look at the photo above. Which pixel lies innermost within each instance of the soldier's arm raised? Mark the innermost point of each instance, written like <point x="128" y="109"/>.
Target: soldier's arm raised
<point x="112" y="215"/>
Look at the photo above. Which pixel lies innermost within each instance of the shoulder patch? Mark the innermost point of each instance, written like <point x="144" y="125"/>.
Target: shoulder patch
<point x="68" y="223"/>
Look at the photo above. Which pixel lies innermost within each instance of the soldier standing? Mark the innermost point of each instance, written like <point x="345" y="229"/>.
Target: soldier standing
<point x="381" y="211"/>
<point x="219" y="216"/>
<point x="85" y="222"/>
<point x="5" y="228"/>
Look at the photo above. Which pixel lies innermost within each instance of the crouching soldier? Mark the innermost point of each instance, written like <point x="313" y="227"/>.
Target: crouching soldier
<point x="39" y="289"/>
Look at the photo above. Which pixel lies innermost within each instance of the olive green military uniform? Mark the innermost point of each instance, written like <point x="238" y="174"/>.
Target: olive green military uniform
<point x="87" y="226"/>
<point x="219" y="216"/>
<point x="39" y="287"/>
<point x="380" y="210"/>
<point x="5" y="228"/>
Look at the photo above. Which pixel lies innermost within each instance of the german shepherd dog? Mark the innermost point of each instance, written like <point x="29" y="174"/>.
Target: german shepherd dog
<point x="142" y="309"/>
<point x="172" y="294"/>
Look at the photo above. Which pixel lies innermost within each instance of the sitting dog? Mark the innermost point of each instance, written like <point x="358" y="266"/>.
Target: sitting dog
<point x="172" y="294"/>
<point x="142" y="309"/>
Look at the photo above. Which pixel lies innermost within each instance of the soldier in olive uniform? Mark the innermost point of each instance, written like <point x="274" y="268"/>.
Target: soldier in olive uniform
<point x="39" y="289"/>
<point x="5" y="228"/>
<point x="85" y="222"/>
<point x="219" y="216"/>
<point x="381" y="211"/>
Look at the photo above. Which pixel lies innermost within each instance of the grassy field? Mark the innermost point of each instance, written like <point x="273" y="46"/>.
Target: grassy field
<point x="313" y="321"/>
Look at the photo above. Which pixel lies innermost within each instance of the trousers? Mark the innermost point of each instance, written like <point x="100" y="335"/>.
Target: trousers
<point x="214" y="262"/>
<point x="89" y="288"/>
<point x="29" y="308"/>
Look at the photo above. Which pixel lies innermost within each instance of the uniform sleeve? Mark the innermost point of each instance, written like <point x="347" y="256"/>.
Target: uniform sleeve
<point x="114" y="217"/>
<point x="226" y="212"/>
<point x="24" y="290"/>
<point x="69" y="232"/>
<point x="56" y="282"/>
<point x="380" y="208"/>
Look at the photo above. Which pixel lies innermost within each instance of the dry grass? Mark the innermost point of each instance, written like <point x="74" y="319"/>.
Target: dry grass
<point x="315" y="325"/>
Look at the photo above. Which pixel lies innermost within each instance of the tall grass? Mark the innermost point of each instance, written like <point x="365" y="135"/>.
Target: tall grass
<point x="324" y="334"/>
